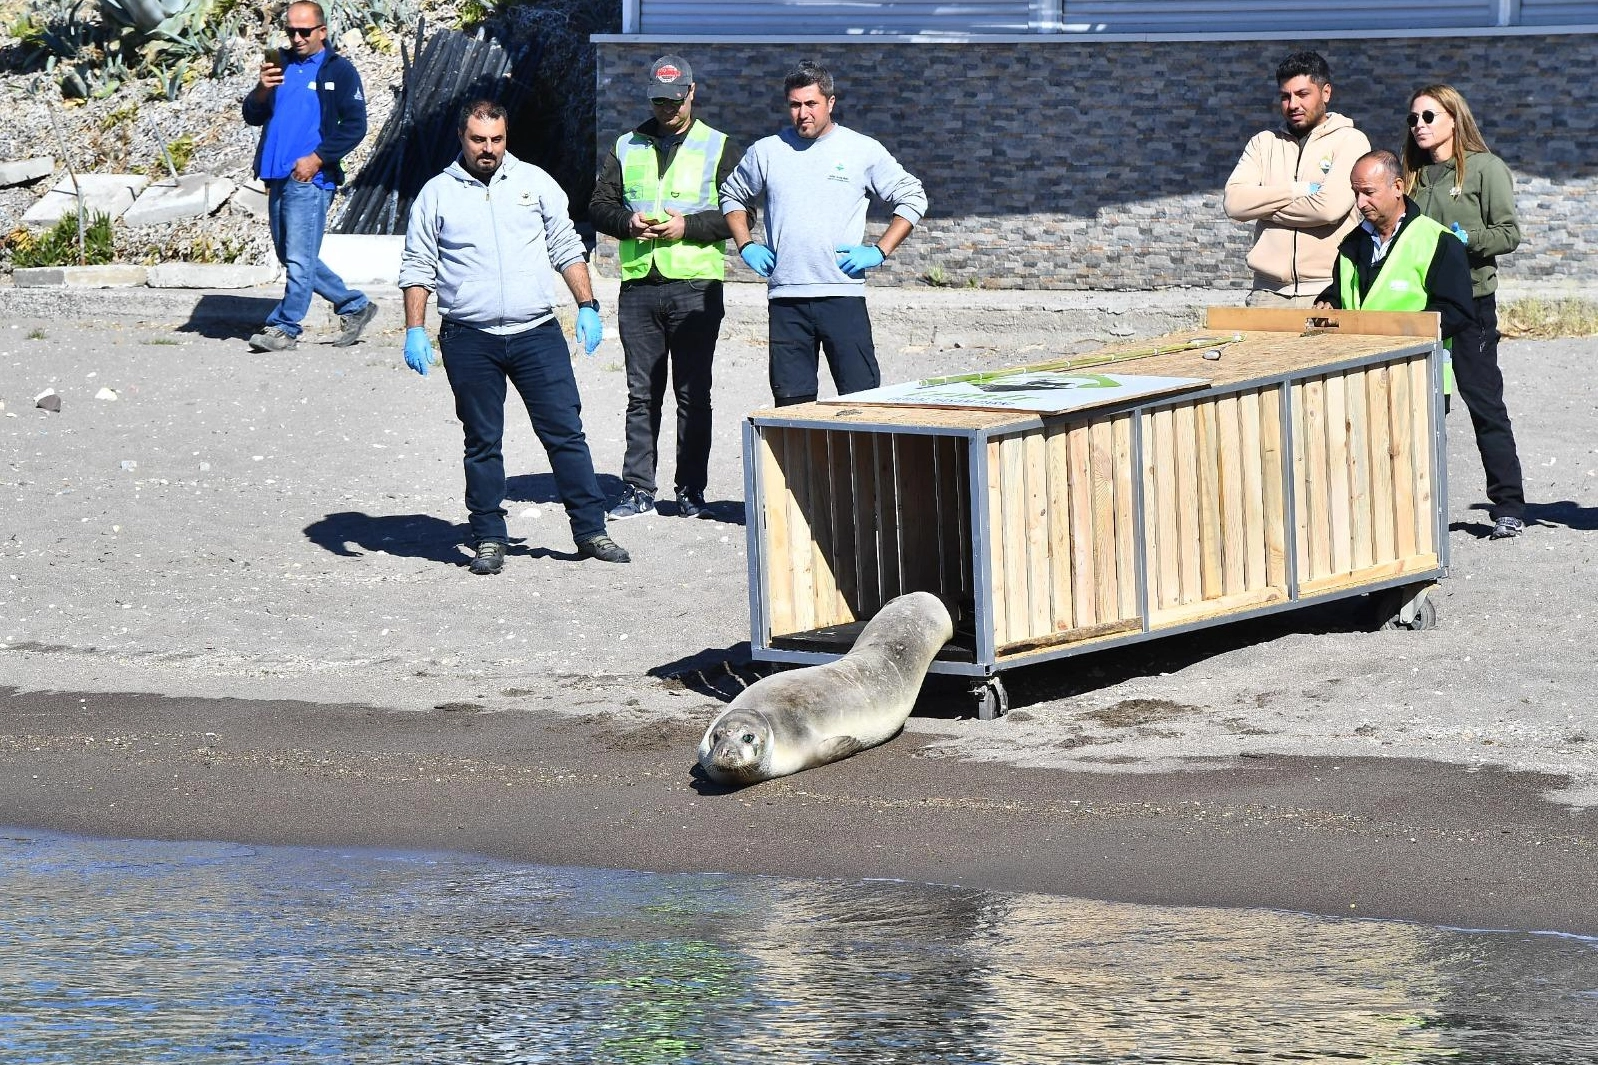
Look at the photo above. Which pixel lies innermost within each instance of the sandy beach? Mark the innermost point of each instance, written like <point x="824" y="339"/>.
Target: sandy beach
<point x="233" y="605"/>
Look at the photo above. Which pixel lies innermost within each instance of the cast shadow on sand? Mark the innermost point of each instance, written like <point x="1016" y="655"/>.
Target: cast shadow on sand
<point x="351" y="534"/>
<point x="540" y="488"/>
<point x="720" y="673"/>
<point x="1565" y="513"/>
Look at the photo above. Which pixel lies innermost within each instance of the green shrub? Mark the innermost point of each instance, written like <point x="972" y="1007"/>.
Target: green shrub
<point x="58" y="245"/>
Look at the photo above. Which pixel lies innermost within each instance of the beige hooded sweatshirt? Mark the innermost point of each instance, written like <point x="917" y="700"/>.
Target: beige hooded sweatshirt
<point x="1296" y="230"/>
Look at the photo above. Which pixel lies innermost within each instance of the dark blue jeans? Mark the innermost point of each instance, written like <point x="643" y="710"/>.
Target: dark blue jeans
<point x="537" y="362"/>
<point x="671" y="324"/>
<point x="838" y="326"/>
<point x="296" y="211"/>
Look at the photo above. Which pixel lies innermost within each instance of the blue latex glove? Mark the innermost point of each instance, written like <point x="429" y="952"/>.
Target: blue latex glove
<point x="589" y="331"/>
<point x="856" y="259"/>
<point x="1459" y="231"/>
<point x="418" y="349"/>
<point x="759" y="258"/>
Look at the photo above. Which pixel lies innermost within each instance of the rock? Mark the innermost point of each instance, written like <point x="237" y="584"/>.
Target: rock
<point x="249" y="198"/>
<point x="107" y="394"/>
<point x="48" y="400"/>
<point x="362" y="259"/>
<point x="23" y="171"/>
<point x="129" y="465"/>
<point x="192" y="196"/>
<point x="112" y="276"/>
<point x="210" y="275"/>
<point x="107" y="194"/>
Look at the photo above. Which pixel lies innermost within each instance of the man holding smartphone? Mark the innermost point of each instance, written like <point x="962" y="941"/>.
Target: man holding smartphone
<point x="312" y="111"/>
<point x="656" y="194"/>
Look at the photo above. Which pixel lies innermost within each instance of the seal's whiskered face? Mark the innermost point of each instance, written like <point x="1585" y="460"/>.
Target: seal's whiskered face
<point x="739" y="745"/>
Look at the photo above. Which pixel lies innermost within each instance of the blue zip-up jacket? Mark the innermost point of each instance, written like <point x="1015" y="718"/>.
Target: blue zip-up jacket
<point x="481" y="248"/>
<point x="343" y="104"/>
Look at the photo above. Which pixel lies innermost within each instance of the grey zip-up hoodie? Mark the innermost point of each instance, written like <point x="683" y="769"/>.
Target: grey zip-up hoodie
<point x="481" y="248"/>
<point x="816" y="194"/>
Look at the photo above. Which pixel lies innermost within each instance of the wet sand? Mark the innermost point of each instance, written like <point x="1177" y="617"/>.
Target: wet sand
<point x="233" y="605"/>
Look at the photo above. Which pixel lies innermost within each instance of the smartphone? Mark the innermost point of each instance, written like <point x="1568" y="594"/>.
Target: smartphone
<point x="272" y="55"/>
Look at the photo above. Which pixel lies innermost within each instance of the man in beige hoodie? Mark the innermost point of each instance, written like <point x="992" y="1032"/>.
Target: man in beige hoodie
<point x="1292" y="183"/>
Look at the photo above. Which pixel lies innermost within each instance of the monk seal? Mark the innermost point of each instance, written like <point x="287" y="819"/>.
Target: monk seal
<point x="808" y="717"/>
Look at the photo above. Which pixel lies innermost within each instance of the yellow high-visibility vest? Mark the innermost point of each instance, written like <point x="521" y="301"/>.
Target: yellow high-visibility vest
<point x="689" y="186"/>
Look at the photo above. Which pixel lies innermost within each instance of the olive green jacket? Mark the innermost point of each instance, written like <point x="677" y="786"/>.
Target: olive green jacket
<point x="1484" y="206"/>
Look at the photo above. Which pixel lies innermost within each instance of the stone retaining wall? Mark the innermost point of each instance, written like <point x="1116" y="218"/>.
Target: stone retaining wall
<point x="1082" y="164"/>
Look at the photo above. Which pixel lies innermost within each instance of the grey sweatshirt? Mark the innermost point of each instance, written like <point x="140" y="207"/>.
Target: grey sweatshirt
<point x="482" y="249"/>
<point x="816" y="194"/>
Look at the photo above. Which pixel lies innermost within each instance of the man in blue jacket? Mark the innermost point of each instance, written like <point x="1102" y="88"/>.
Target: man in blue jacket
<point x="313" y="113"/>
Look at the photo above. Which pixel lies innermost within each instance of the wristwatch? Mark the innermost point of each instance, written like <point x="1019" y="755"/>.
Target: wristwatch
<point x="591" y="304"/>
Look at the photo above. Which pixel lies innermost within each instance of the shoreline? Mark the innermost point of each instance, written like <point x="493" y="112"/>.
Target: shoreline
<point x="1365" y="838"/>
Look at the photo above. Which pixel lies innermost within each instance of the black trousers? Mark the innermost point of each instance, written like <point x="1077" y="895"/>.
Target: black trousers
<point x="800" y="329"/>
<point x="672" y="324"/>
<point x="1481" y="386"/>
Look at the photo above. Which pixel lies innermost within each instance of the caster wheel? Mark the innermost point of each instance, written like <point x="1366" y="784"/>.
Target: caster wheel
<point x="992" y="700"/>
<point x="1403" y="609"/>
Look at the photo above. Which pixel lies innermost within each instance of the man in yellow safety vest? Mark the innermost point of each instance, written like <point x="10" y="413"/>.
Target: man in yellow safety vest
<point x="657" y="195"/>
<point x="1397" y="259"/>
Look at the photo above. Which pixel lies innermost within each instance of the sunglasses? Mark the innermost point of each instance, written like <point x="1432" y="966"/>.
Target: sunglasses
<point x="1417" y="117"/>
<point x="298" y="31"/>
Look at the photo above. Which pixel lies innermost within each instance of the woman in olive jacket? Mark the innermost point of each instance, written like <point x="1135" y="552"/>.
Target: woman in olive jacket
<point x="1454" y="179"/>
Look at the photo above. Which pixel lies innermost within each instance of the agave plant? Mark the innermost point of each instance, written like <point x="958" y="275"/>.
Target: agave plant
<point x="145" y="16"/>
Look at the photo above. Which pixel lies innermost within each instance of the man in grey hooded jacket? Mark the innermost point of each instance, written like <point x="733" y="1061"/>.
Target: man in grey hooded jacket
<point x="479" y="237"/>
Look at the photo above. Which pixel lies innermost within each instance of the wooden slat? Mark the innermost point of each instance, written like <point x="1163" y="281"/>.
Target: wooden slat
<point x="1163" y="543"/>
<point x="1082" y="575"/>
<point x="1234" y="517"/>
<point x="967" y="513"/>
<point x="1057" y="445"/>
<point x="824" y="582"/>
<point x="1214" y="608"/>
<point x="845" y="524"/>
<point x="1362" y="552"/>
<point x="801" y="537"/>
<point x="890" y="578"/>
<point x="1013" y="457"/>
<point x="1039" y="617"/>
<point x="1272" y="461"/>
<point x="1300" y="483"/>
<point x="1379" y="433"/>
<point x="999" y="623"/>
<point x="1382" y="571"/>
<point x="1421" y="393"/>
<point x="1125" y="545"/>
<point x="1425" y="324"/>
<point x="1401" y="437"/>
<point x="777" y="556"/>
<point x="1337" y="500"/>
<point x="1313" y="514"/>
<point x="951" y="540"/>
<point x="1253" y="488"/>
<point x="1209" y="471"/>
<point x="1188" y="531"/>
<point x="1106" y="598"/>
<point x="917" y="491"/>
<point x="868" y="556"/>
<point x="1117" y="627"/>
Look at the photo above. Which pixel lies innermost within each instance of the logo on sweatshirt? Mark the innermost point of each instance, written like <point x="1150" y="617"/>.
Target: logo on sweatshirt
<point x="1326" y="165"/>
<point x="840" y="171"/>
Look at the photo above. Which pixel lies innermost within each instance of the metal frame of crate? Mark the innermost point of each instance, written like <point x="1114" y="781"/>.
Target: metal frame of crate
<point x="1311" y="467"/>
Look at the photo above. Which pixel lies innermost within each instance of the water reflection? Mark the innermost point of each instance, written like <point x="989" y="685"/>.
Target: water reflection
<point x="146" y="952"/>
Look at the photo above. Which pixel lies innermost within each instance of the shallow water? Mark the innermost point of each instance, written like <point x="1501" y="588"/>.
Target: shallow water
<point x="128" y="952"/>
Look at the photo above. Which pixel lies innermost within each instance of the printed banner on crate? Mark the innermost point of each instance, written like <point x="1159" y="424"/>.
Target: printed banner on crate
<point x="1042" y="392"/>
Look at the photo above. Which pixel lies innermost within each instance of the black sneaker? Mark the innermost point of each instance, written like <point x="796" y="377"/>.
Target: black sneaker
<point x="633" y="502"/>
<point x="490" y="557"/>
<point x="1506" y="527"/>
<point x="273" y="339"/>
<point x="350" y="325"/>
<point x="691" y="504"/>
<point x="603" y="548"/>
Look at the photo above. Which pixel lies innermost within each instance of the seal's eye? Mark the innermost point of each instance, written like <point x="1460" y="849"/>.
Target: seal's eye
<point x="748" y="737"/>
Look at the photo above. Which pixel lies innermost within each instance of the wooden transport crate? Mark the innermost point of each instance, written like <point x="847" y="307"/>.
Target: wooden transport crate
<point x="1310" y="466"/>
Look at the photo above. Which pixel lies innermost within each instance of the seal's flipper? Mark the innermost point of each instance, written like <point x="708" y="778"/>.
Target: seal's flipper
<point x="837" y="748"/>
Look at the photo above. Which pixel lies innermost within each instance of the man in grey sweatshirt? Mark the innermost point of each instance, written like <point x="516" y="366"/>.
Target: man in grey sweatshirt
<point x="817" y="179"/>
